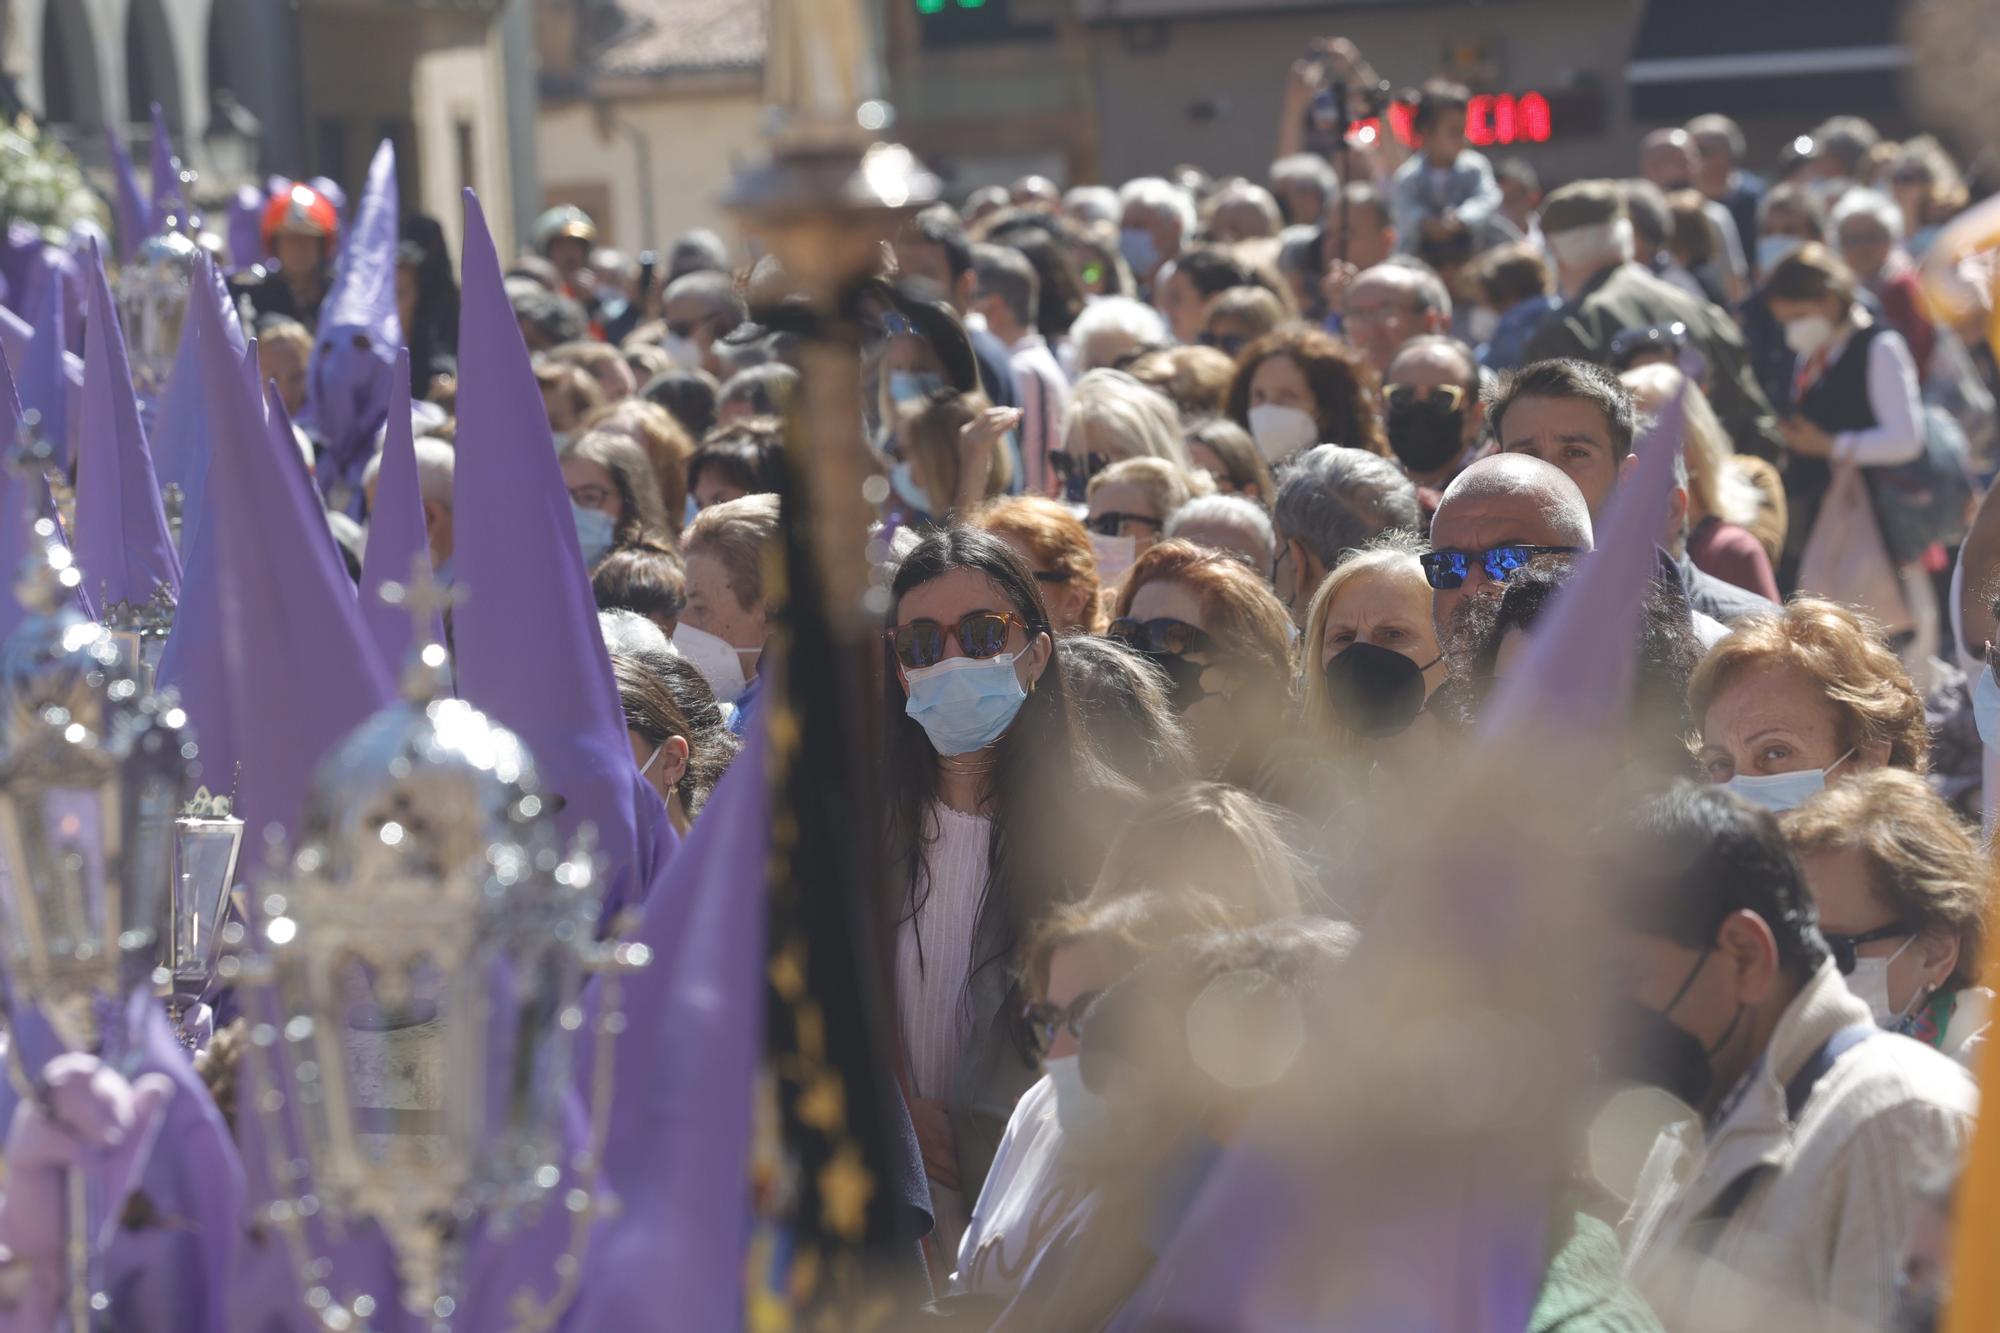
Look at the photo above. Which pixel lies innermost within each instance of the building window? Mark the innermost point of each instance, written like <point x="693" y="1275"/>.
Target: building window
<point x="462" y="138"/>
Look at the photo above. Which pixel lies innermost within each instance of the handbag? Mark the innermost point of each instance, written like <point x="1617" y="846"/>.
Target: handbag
<point x="1845" y="557"/>
<point x="1928" y="499"/>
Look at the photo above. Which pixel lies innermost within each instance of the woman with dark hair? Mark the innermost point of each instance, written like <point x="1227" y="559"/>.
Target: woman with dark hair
<point x="735" y="461"/>
<point x="688" y="393"/>
<point x="987" y="817"/>
<point x="612" y="491"/>
<point x="645" y="578"/>
<point x="679" y="739"/>
<point x="1299" y="387"/>
<point x="427" y="302"/>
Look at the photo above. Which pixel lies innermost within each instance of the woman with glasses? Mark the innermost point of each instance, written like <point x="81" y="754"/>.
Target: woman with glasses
<point x="1130" y="505"/>
<point x="1790" y="702"/>
<point x="1057" y="551"/>
<point x="613" y="493"/>
<point x="1224" y="641"/>
<point x="987" y="824"/>
<point x="1113" y="417"/>
<point x="1902" y="891"/>
<point x="1208" y="859"/>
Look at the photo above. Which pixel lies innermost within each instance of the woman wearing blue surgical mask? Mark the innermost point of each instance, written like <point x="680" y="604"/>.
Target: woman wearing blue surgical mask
<point x="1791" y="702"/>
<point x="613" y="493"/>
<point x="987" y="825"/>
<point x="952" y="455"/>
<point x="1902" y="892"/>
<point x="680" y="743"/>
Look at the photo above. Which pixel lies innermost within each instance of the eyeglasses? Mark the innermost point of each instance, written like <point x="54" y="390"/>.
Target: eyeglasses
<point x="1445" y="570"/>
<point x="1067" y="464"/>
<point x="1843" y="946"/>
<point x="1112" y="523"/>
<point x="1161" y="636"/>
<point x="590" y="497"/>
<point x="1629" y="344"/>
<point x="980" y="634"/>
<point x="1045" y="1021"/>
<point x="1228" y="343"/>
<point x="1403" y="395"/>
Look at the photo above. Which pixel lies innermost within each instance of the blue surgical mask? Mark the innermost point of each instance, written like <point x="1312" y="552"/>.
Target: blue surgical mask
<point x="594" y="530"/>
<point x="1986" y="708"/>
<point x="1139" y="249"/>
<point x="1775" y="250"/>
<point x="909" y="386"/>
<point x="965" y="703"/>
<point x="904" y="482"/>
<point x="1780" y="792"/>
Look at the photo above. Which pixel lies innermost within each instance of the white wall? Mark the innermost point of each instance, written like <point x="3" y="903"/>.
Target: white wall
<point x="455" y="86"/>
<point x="695" y="143"/>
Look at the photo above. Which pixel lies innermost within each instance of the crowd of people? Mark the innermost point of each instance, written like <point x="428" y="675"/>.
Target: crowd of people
<point x="1218" y="507"/>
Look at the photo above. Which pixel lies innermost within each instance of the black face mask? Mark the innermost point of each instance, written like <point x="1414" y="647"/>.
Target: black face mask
<point x="1184" y="688"/>
<point x="1374" y="691"/>
<point x="1425" y="433"/>
<point x="1642" y="1046"/>
<point x="1647" y="1046"/>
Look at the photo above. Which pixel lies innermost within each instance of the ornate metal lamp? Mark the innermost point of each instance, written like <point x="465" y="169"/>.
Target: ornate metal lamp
<point x="425" y="945"/>
<point x="91" y="771"/>
<point x="207" y="842"/>
<point x="140" y="632"/>
<point x="153" y="293"/>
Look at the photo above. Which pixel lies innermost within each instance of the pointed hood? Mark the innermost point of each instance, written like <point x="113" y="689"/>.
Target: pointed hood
<point x="354" y="360"/>
<point x="134" y="213"/>
<point x="677" y="1145"/>
<point x="528" y="647"/>
<point x="17" y="511"/>
<point x="301" y="672"/>
<point x="168" y="202"/>
<point x="44" y="384"/>
<point x="122" y="542"/>
<point x="181" y="441"/>
<point x="397" y="539"/>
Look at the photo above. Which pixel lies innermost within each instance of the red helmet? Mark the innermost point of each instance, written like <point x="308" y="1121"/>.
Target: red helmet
<point x="300" y="210"/>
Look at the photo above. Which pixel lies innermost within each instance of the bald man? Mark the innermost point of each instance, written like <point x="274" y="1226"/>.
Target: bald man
<point x="1513" y="504"/>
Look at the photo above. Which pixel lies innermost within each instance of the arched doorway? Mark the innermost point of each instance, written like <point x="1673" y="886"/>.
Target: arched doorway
<point x="72" y="95"/>
<point x="150" y="72"/>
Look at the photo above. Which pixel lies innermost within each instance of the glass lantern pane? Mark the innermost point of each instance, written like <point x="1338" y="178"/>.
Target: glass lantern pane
<point x="206" y="851"/>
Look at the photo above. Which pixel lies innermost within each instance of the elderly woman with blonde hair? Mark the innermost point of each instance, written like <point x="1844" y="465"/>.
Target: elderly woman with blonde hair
<point x="1370" y="654"/>
<point x="1112" y="417"/>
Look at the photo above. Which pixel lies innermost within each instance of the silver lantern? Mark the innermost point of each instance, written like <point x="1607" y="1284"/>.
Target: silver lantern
<point x="208" y="840"/>
<point x="153" y="293"/>
<point x="140" y="631"/>
<point x="91" y="771"/>
<point x="425" y="945"/>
